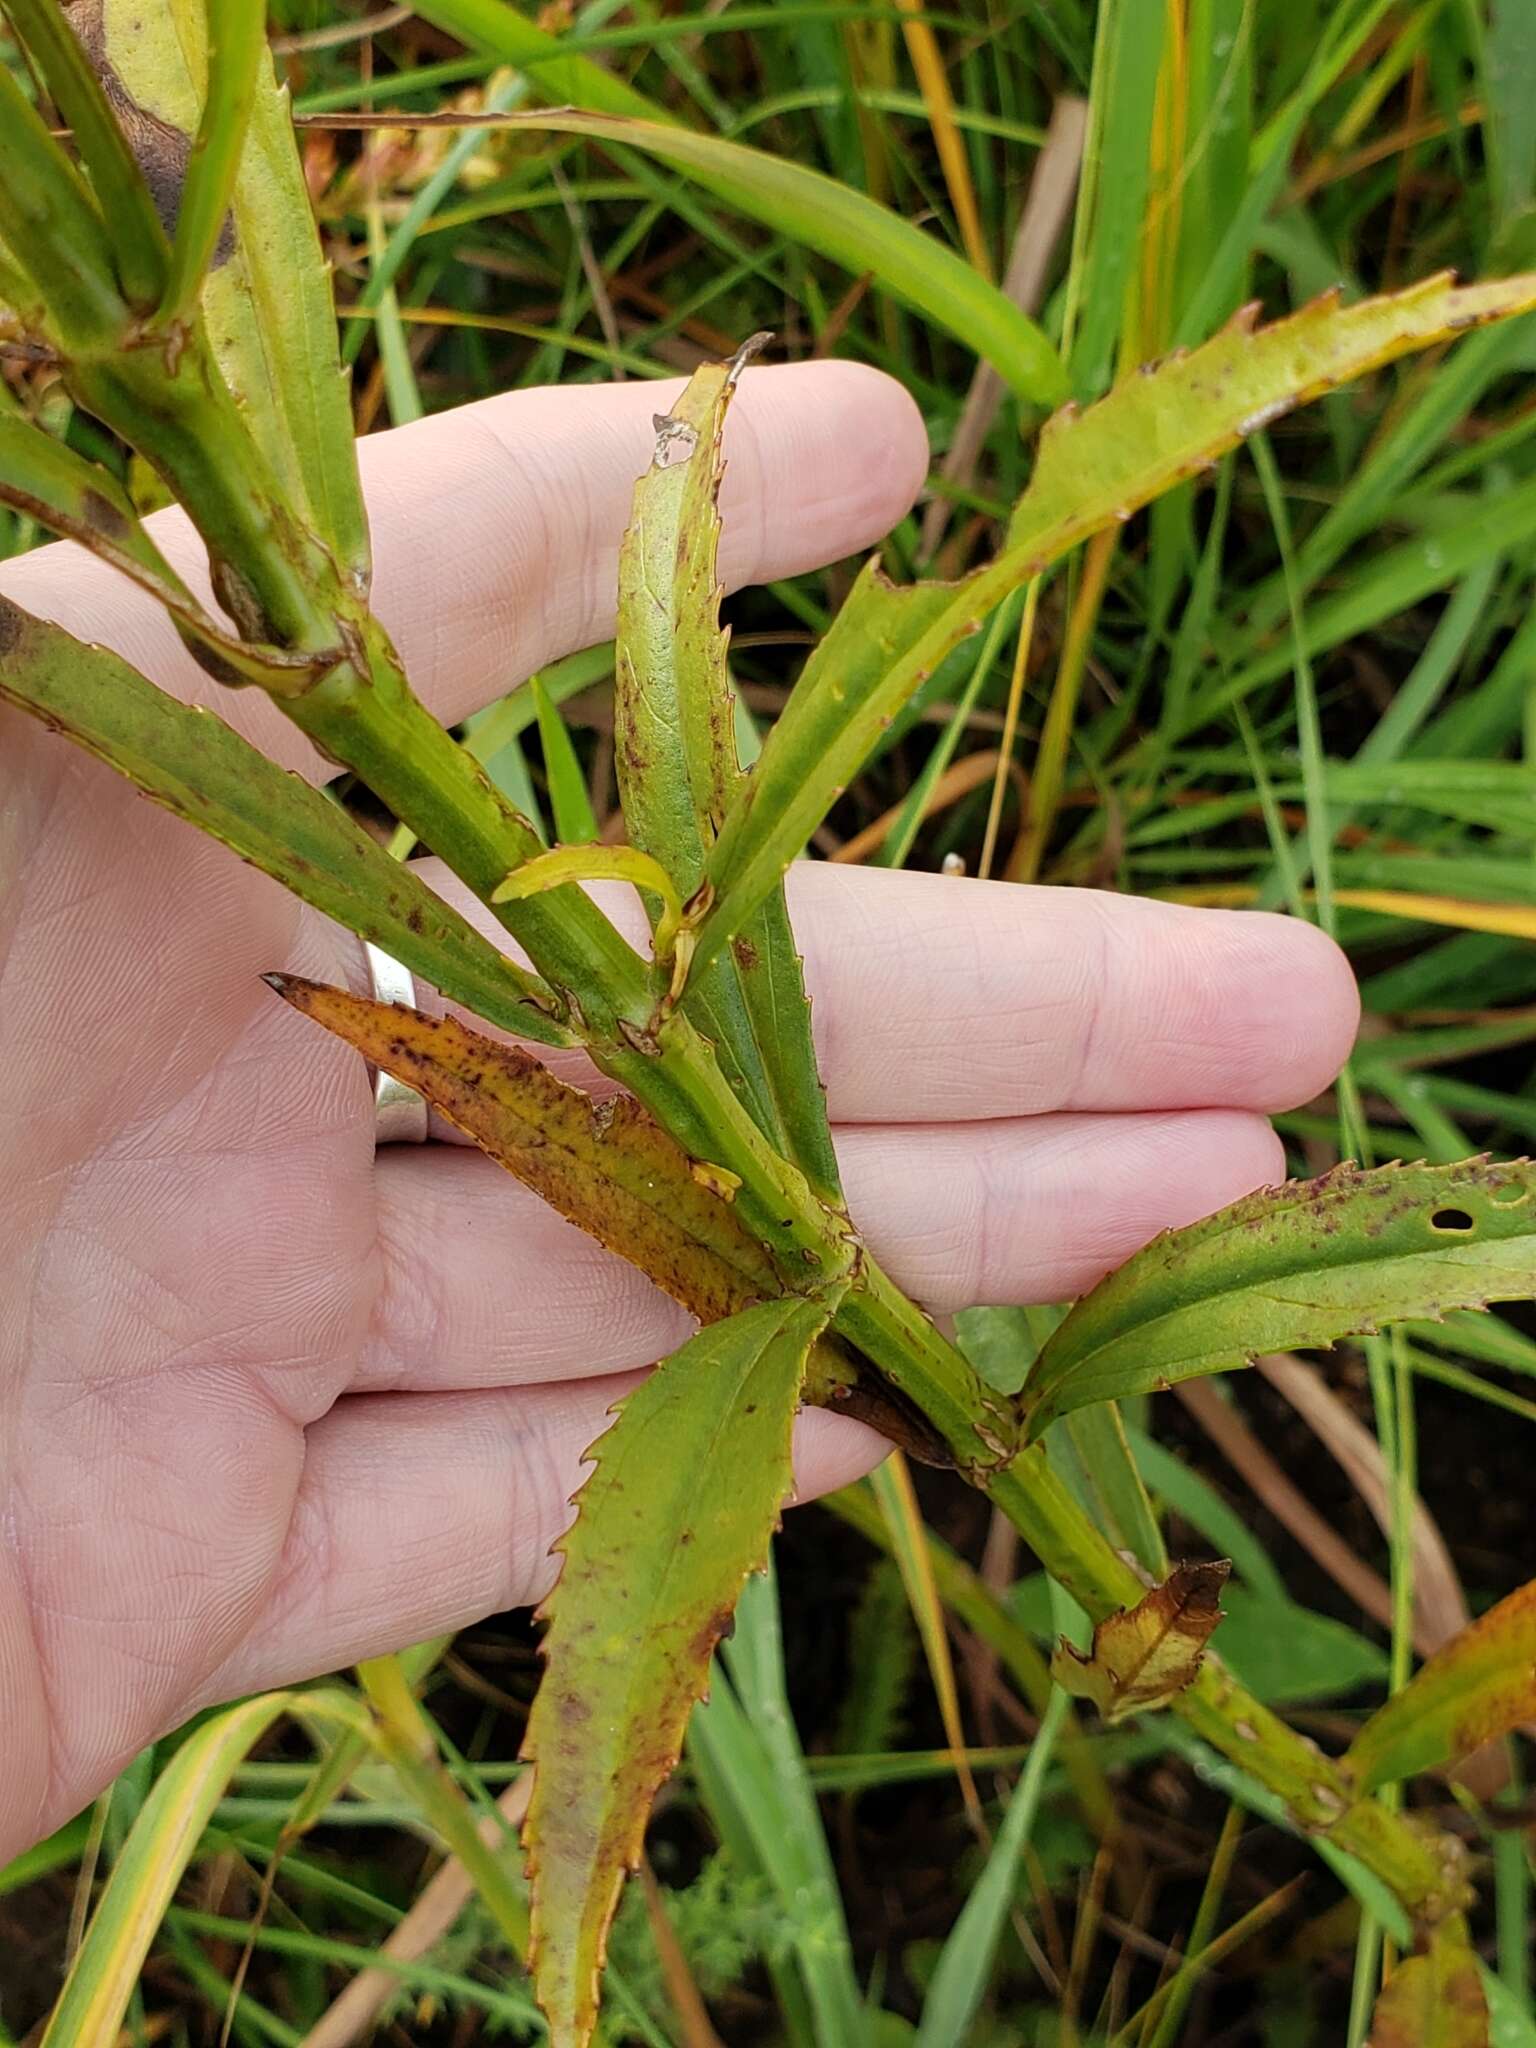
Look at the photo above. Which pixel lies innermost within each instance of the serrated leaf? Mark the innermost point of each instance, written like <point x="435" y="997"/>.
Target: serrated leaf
<point x="685" y="1491"/>
<point x="1481" y="1685"/>
<point x="267" y="299"/>
<point x="1434" y="1999"/>
<point x="1292" y="1268"/>
<point x="605" y="1166"/>
<point x="1093" y="470"/>
<point x="188" y="760"/>
<point x="674" y="712"/>
<point x="1148" y="1654"/>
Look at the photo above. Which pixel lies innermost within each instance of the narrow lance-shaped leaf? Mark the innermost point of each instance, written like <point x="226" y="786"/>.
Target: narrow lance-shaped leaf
<point x="79" y="500"/>
<point x="1434" y="1999"/>
<point x="676" y="753"/>
<point x="237" y="46"/>
<point x="1291" y="1268"/>
<point x="686" y="1490"/>
<point x="189" y="760"/>
<point x="1147" y="1655"/>
<point x="266" y="298"/>
<point x="1480" y="1686"/>
<point x="138" y="240"/>
<point x="60" y="273"/>
<point x="605" y="1166"/>
<point x="1095" y="468"/>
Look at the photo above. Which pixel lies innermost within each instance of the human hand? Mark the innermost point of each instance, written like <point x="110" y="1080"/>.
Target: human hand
<point x="269" y="1403"/>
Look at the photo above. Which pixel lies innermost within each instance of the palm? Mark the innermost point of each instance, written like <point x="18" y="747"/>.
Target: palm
<point x="269" y="1403"/>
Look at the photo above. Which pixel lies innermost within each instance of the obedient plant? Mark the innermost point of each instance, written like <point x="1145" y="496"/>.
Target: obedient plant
<point x="163" y="262"/>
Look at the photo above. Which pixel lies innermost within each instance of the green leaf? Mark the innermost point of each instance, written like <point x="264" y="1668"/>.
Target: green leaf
<point x="1093" y="469"/>
<point x="1479" y="1686"/>
<point x="686" y="1490"/>
<point x="189" y="760"/>
<point x="1145" y="1656"/>
<point x="605" y="1166"/>
<point x="138" y="240"/>
<point x="81" y="501"/>
<point x="1286" y="1654"/>
<point x="1298" y="1266"/>
<point x="237" y="46"/>
<point x="267" y="303"/>
<point x="1434" y="1999"/>
<point x="677" y="764"/>
<point x="60" y="273"/>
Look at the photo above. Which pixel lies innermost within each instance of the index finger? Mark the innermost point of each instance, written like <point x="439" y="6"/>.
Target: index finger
<point x="496" y="530"/>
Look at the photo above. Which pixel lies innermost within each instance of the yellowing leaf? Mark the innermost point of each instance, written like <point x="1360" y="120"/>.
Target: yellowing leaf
<point x="1508" y="920"/>
<point x="605" y="1166"/>
<point x="1482" y="1684"/>
<point x="1147" y="1655"/>
<point x="1435" y="1999"/>
<point x="1290" y="1267"/>
<point x="685" y="1492"/>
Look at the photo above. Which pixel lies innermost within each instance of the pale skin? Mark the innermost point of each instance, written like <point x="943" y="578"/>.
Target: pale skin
<point x="270" y="1403"/>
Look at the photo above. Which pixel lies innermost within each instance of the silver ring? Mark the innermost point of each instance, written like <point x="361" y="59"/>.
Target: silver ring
<point x="400" y="1114"/>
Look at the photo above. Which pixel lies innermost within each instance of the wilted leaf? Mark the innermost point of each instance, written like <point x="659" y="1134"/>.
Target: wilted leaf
<point x="674" y="713"/>
<point x="604" y="1165"/>
<point x="1480" y="1686"/>
<point x="1435" y="1999"/>
<point x="1094" y="469"/>
<point x="685" y="1492"/>
<point x="1147" y="1655"/>
<point x="190" y="761"/>
<point x="1292" y="1267"/>
<point x="267" y="299"/>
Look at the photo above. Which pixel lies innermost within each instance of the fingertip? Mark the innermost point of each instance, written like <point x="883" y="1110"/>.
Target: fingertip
<point x="1317" y="998"/>
<point x="832" y="1451"/>
<point x="835" y="454"/>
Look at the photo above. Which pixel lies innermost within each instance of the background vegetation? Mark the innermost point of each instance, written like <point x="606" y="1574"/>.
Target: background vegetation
<point x="1234" y="700"/>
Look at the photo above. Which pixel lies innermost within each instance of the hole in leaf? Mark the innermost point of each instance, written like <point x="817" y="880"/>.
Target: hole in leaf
<point x="1451" y="1219"/>
<point x="1510" y="1195"/>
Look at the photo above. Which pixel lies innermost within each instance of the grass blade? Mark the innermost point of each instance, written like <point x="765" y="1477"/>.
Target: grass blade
<point x="965" y="1963"/>
<point x="163" y="1841"/>
<point x="837" y="222"/>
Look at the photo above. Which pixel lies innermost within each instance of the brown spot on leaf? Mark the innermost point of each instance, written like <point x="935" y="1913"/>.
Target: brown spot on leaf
<point x="13" y="623"/>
